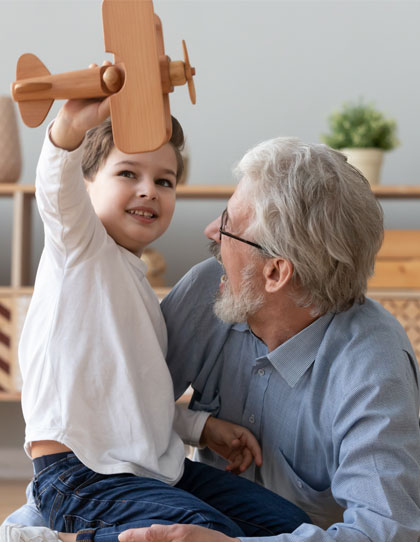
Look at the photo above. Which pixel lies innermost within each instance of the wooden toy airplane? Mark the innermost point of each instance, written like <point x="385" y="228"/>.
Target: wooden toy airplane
<point x="138" y="83"/>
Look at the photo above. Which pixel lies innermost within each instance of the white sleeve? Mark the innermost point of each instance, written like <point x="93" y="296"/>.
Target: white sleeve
<point x="189" y="424"/>
<point x="72" y="229"/>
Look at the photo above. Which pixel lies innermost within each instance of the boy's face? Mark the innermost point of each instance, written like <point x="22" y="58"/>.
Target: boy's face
<point x="134" y="195"/>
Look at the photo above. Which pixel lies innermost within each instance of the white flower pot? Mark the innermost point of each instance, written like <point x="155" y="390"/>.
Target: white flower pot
<point x="368" y="161"/>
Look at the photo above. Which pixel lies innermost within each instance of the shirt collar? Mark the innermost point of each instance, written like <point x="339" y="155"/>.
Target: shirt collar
<point x="242" y="326"/>
<point x="294" y="357"/>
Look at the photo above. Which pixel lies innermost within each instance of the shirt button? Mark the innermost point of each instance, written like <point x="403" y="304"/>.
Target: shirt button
<point x="299" y="484"/>
<point x="261" y="372"/>
<point x="251" y="419"/>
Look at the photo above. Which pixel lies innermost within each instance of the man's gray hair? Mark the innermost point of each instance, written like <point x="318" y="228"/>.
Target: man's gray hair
<point x="314" y="209"/>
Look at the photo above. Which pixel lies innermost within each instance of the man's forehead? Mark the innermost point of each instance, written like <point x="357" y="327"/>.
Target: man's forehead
<point x="238" y="204"/>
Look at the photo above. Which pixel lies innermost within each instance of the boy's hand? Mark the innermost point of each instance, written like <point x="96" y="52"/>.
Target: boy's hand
<point x="233" y="442"/>
<point x="75" y="118"/>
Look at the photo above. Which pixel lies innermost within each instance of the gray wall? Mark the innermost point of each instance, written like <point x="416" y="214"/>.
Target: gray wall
<point x="264" y="68"/>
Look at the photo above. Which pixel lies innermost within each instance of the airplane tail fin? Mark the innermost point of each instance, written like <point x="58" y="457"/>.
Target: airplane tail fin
<point x="32" y="112"/>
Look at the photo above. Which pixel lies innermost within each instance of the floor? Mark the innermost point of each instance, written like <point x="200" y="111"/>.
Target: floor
<point x="12" y="495"/>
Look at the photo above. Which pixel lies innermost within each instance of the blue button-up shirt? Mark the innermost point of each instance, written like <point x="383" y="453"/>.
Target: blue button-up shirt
<point x="335" y="409"/>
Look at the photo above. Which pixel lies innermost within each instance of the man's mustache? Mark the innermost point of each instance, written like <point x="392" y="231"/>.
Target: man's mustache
<point x="214" y="249"/>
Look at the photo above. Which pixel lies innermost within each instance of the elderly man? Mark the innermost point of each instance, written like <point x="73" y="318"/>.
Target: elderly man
<point x="326" y="379"/>
<point x="280" y="338"/>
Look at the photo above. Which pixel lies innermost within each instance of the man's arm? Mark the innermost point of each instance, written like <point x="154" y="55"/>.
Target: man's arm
<point x="233" y="442"/>
<point x="189" y="424"/>
<point x="229" y="440"/>
<point x="195" y="336"/>
<point x="377" y="479"/>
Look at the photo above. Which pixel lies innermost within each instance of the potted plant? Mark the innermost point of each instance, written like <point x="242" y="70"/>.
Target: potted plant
<point x="362" y="133"/>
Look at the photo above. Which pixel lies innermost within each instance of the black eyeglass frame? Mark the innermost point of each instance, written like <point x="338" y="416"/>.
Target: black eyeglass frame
<point x="223" y="232"/>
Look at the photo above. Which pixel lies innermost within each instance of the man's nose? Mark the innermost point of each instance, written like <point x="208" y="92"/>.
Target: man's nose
<point x="212" y="230"/>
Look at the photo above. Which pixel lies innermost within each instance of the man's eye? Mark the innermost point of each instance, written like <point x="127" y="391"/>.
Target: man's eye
<point x="165" y="182"/>
<point x="127" y="173"/>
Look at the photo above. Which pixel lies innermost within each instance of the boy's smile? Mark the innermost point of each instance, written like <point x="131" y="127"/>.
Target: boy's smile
<point x="134" y="195"/>
<point x="143" y="214"/>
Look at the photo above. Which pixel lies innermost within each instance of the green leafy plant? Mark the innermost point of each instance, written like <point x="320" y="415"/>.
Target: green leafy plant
<point x="360" y="125"/>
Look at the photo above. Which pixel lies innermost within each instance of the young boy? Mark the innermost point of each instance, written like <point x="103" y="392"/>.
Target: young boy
<point x="101" y="424"/>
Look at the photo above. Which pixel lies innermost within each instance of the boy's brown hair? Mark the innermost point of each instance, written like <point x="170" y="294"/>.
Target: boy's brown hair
<point x="99" y="144"/>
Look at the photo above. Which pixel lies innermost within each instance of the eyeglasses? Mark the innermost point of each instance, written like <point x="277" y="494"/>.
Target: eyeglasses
<point x="222" y="231"/>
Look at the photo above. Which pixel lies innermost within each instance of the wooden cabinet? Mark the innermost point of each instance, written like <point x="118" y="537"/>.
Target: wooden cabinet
<point x="396" y="283"/>
<point x="14" y="299"/>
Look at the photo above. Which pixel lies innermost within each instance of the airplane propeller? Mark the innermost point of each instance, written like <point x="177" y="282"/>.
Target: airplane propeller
<point x="189" y="73"/>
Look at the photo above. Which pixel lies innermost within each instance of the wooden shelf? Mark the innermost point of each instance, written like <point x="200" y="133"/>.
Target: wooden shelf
<point x="202" y="191"/>
<point x="397" y="191"/>
<point x="14" y="397"/>
<point x="8" y="189"/>
<point x="18" y="290"/>
<point x="221" y="191"/>
<point x="224" y="191"/>
<point x="9" y="396"/>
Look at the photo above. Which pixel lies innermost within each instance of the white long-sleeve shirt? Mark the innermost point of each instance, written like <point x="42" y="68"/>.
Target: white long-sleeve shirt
<point x="92" y="350"/>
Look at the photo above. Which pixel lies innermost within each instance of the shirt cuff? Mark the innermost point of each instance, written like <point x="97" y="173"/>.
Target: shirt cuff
<point x="189" y="424"/>
<point x="52" y="146"/>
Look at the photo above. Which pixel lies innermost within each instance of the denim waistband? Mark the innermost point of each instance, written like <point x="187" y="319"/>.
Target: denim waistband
<point x="44" y="461"/>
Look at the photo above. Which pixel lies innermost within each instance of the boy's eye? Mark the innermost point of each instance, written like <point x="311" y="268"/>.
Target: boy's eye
<point x="164" y="182"/>
<point x="127" y="173"/>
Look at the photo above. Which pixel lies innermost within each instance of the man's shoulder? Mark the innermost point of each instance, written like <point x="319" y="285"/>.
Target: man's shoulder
<point x="368" y="340"/>
<point x="200" y="283"/>
<point x="208" y="271"/>
<point x="371" y="319"/>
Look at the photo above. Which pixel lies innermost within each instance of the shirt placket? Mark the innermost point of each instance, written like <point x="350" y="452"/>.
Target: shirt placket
<point x="252" y="415"/>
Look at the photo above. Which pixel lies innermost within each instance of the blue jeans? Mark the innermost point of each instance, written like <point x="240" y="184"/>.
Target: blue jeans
<point x="73" y="498"/>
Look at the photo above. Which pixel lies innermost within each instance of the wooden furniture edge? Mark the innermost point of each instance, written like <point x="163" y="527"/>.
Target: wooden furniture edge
<point x="15" y="291"/>
<point x="9" y="396"/>
<point x="161" y="292"/>
<point x="393" y="293"/>
<point x="9" y="189"/>
<point x="396" y="191"/>
<point x="224" y="191"/>
<point x="14" y="397"/>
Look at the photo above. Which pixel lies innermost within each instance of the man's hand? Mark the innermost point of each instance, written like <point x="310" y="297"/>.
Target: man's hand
<point x="173" y="533"/>
<point x="233" y="442"/>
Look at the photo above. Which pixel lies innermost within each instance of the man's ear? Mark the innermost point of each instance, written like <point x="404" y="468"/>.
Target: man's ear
<point x="277" y="274"/>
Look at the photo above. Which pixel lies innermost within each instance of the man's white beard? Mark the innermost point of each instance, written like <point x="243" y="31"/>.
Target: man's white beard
<point x="237" y="308"/>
